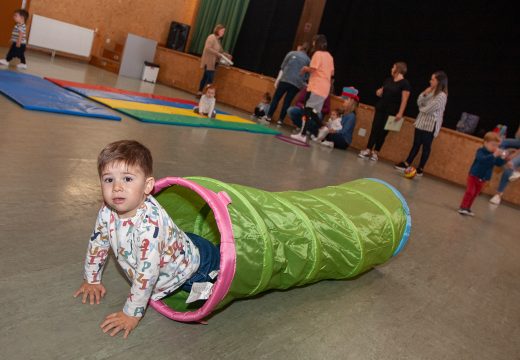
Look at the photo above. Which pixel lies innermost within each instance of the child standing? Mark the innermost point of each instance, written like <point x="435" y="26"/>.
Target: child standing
<point x="155" y="255"/>
<point x="207" y="102"/>
<point x="332" y="125"/>
<point x="480" y="172"/>
<point x="263" y="106"/>
<point x="18" y="40"/>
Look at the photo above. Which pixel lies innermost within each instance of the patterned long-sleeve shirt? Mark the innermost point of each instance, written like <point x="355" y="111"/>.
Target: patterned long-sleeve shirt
<point x="155" y="255"/>
<point x="431" y="112"/>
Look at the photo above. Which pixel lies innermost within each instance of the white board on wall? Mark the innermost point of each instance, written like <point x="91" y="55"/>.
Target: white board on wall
<point x="57" y="35"/>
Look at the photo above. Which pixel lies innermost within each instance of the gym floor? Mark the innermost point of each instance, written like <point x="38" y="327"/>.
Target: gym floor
<point x="453" y="293"/>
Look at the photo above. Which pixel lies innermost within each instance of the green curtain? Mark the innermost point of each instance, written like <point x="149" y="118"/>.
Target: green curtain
<point x="230" y="13"/>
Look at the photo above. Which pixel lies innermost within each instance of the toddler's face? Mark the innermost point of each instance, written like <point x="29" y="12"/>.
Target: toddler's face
<point x="125" y="187"/>
<point x="334" y="115"/>
<point x="491" y="146"/>
<point x="18" y="19"/>
<point x="210" y="93"/>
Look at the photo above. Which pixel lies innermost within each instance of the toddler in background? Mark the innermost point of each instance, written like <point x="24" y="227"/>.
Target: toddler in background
<point x="334" y="123"/>
<point x="207" y="102"/>
<point x="486" y="158"/>
<point x="263" y="107"/>
<point x="155" y="255"/>
<point x="18" y="40"/>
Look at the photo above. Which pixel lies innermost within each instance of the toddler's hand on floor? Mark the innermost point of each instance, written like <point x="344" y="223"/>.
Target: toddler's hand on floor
<point x="119" y="321"/>
<point x="94" y="292"/>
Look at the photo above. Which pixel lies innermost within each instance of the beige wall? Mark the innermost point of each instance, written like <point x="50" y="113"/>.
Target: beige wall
<point x="452" y="152"/>
<point x="114" y="19"/>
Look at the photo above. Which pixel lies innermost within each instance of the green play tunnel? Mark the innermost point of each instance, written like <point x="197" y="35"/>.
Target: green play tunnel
<point x="278" y="240"/>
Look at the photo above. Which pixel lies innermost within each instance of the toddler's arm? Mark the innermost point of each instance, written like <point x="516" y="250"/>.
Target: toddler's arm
<point x="97" y="253"/>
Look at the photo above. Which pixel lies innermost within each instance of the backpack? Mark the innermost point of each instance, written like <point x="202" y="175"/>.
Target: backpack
<point x="468" y="123"/>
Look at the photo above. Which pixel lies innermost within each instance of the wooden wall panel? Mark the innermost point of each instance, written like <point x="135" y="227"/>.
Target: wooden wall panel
<point x="452" y="152"/>
<point x="116" y="18"/>
<point x="309" y="21"/>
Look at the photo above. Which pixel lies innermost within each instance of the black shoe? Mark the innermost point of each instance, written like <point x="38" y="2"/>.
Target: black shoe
<point x="401" y="166"/>
<point x="419" y="172"/>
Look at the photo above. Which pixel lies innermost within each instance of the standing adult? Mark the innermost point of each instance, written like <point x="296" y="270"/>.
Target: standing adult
<point x="289" y="81"/>
<point x="321" y="70"/>
<point x="393" y="96"/>
<point x="432" y="103"/>
<point x="212" y="52"/>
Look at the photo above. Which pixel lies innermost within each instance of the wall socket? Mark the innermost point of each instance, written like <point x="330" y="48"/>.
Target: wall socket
<point x="362" y="132"/>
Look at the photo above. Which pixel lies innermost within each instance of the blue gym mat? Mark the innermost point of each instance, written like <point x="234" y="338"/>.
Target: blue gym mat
<point x="34" y="93"/>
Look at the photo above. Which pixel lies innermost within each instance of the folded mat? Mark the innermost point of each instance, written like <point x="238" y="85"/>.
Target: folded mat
<point x="34" y="93"/>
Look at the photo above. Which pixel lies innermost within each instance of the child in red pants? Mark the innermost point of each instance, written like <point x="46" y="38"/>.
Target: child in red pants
<point x="480" y="172"/>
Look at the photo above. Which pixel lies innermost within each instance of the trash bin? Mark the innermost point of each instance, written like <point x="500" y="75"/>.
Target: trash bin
<point x="150" y="72"/>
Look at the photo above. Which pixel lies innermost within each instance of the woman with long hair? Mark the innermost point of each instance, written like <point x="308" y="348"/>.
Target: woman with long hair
<point x="212" y="52"/>
<point x="432" y="103"/>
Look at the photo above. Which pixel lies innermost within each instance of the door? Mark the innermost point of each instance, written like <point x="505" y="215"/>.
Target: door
<point x="7" y="8"/>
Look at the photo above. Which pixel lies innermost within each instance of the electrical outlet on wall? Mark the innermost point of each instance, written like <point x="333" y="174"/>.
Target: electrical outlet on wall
<point x="108" y="41"/>
<point x="362" y="132"/>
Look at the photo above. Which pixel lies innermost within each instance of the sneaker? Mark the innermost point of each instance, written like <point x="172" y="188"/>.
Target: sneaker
<point x="374" y="157"/>
<point x="279" y="123"/>
<point x="402" y="166"/>
<point x="21" y="66"/>
<point x="266" y="118"/>
<point x="496" y="199"/>
<point x="4" y="62"/>
<point x="466" y="212"/>
<point x="299" y="137"/>
<point x="314" y="138"/>
<point x="515" y="176"/>
<point x="327" y="143"/>
<point x="364" y="154"/>
<point x="419" y="172"/>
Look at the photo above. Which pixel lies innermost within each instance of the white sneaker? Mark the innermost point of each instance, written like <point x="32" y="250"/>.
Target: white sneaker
<point x="496" y="199"/>
<point x="364" y="154"/>
<point x="374" y="157"/>
<point x="299" y="137"/>
<point x="21" y="66"/>
<point x="4" y="62"/>
<point x="314" y="138"/>
<point x="327" y="143"/>
<point x="467" y="212"/>
<point x="266" y="118"/>
<point x="515" y="176"/>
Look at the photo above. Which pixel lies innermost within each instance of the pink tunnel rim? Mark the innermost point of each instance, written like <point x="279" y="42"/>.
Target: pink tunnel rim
<point x="218" y="203"/>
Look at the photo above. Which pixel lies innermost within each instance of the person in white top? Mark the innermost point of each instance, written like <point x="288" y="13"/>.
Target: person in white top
<point x="207" y="102"/>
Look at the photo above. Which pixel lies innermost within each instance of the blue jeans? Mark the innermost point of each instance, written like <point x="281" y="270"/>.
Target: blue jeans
<point x="504" y="180"/>
<point x="207" y="78"/>
<point x="284" y="88"/>
<point x="209" y="261"/>
<point x="295" y="114"/>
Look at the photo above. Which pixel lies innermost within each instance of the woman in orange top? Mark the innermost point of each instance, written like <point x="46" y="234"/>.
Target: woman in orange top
<point x="321" y="70"/>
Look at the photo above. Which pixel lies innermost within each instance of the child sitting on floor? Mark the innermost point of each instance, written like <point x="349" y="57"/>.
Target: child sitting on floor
<point x="263" y="107"/>
<point x="334" y="124"/>
<point x="486" y="158"/>
<point x="207" y="102"/>
<point x="155" y="255"/>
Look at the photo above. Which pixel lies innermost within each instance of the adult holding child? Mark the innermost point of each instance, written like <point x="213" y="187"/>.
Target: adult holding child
<point x="393" y="98"/>
<point x="211" y="54"/>
<point x="432" y="103"/>
<point x="289" y="81"/>
<point x="321" y="70"/>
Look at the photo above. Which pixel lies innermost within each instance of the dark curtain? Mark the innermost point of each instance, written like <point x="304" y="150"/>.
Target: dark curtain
<point x="267" y="34"/>
<point x="476" y="43"/>
<point x="230" y="13"/>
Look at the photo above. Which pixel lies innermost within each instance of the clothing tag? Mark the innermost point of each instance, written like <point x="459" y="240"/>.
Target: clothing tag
<point x="213" y="274"/>
<point x="200" y="291"/>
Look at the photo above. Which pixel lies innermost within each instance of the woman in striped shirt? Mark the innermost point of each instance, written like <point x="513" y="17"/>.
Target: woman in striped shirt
<point x="432" y="103"/>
